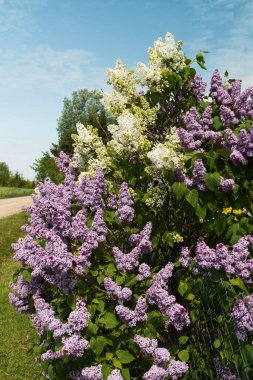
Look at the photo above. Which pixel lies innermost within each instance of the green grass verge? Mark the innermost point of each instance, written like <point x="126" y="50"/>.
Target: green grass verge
<point x="17" y="334"/>
<point x="12" y="192"/>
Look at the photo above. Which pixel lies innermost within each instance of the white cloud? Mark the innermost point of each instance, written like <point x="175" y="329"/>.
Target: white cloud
<point x="50" y="69"/>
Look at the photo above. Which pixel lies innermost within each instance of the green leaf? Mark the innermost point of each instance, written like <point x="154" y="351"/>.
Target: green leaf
<point x="110" y="320"/>
<point x="183" y="339"/>
<point x="217" y="123"/>
<point x="125" y="356"/>
<point x="109" y="355"/>
<point x="212" y="181"/>
<point x="201" y="211"/>
<point x="131" y="280"/>
<point x="105" y="371"/>
<point x="50" y="370"/>
<point x="238" y="282"/>
<point x="192" y="197"/>
<point x="92" y="329"/>
<point x="183" y="355"/>
<point x="182" y="288"/>
<point x="117" y="363"/>
<point x="217" y="343"/>
<point x="190" y="297"/>
<point x="26" y="274"/>
<point x="98" y="344"/>
<point x="125" y="373"/>
<point x="179" y="189"/>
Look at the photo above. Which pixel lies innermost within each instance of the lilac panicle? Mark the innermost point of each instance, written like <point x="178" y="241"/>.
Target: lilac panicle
<point x="112" y="201"/>
<point x="243" y="317"/>
<point x="122" y="294"/>
<point x="144" y="272"/>
<point x="115" y="375"/>
<point x="143" y="244"/>
<point x="157" y="294"/>
<point x="125" y="212"/>
<point x="198" y="87"/>
<point x="132" y="317"/>
<point x="235" y="262"/>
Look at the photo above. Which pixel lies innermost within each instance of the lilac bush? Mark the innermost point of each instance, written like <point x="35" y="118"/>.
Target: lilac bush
<point x="140" y="264"/>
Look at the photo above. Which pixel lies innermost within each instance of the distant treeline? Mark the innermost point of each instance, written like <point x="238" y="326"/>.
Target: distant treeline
<point x="7" y="178"/>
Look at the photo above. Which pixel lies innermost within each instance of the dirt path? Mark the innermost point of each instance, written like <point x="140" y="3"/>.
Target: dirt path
<point x="13" y="205"/>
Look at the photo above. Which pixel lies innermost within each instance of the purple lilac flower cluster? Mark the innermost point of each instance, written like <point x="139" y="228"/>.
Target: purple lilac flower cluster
<point x="199" y="171"/>
<point x="241" y="146"/>
<point x="132" y="317"/>
<point x="125" y="212"/>
<point x="243" y="317"/>
<point x="163" y="365"/>
<point x="197" y="130"/>
<point x="223" y="373"/>
<point x="158" y="294"/>
<point x="112" y="289"/>
<point x="235" y="106"/>
<point x="88" y="373"/>
<point x="197" y="180"/>
<point x="235" y="262"/>
<point x="142" y="244"/>
<point x="144" y="272"/>
<point x="198" y="87"/>
<point x="95" y="373"/>
<point x="184" y="258"/>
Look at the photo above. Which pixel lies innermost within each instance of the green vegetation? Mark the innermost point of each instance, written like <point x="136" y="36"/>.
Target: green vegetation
<point x="12" y="192"/>
<point x="84" y="106"/>
<point x="16" y="331"/>
<point x="7" y="178"/>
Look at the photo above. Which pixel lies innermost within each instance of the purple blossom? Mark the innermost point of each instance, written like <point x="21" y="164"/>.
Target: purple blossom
<point x="198" y="86"/>
<point x="177" y="369"/>
<point x="132" y="317"/>
<point x="235" y="262"/>
<point x="115" y="375"/>
<point x="184" y="257"/>
<point x="143" y="244"/>
<point x="122" y="294"/>
<point x="125" y="212"/>
<point x="88" y="373"/>
<point x="155" y="373"/>
<point x="144" y="272"/>
<point x="243" y="317"/>
<point x="112" y="201"/>
<point x="223" y="373"/>
<point x="216" y="84"/>
<point x="227" y="185"/>
<point x="146" y="345"/>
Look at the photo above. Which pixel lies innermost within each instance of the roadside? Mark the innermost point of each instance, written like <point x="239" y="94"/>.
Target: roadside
<point x="12" y="206"/>
<point x="13" y="192"/>
<point x="17" y="335"/>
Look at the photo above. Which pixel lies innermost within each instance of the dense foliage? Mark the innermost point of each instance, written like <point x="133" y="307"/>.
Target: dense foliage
<point x="178" y="176"/>
<point x="7" y="178"/>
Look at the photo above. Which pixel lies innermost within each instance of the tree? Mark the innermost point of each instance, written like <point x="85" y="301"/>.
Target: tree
<point x="4" y="174"/>
<point x="84" y="106"/>
<point x="46" y="167"/>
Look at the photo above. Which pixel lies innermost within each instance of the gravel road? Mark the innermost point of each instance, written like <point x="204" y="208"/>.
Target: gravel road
<point x="12" y="206"/>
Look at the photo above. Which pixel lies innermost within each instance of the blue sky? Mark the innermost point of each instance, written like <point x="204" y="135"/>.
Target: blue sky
<point x="49" y="48"/>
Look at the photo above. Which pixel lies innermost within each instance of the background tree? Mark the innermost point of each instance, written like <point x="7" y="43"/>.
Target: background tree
<point x="4" y="174"/>
<point x="84" y="106"/>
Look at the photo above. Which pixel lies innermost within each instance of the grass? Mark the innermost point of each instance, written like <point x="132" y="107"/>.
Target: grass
<point x="12" y="192"/>
<point x="17" y="334"/>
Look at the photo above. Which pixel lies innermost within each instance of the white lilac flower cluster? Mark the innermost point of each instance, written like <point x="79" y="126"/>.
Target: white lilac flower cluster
<point x="165" y="55"/>
<point x="134" y="116"/>
<point x="167" y="155"/>
<point x="89" y="150"/>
